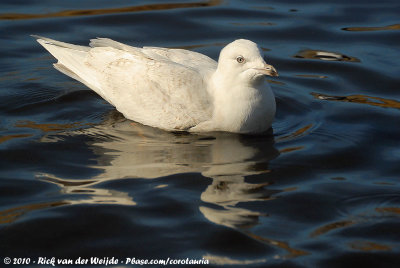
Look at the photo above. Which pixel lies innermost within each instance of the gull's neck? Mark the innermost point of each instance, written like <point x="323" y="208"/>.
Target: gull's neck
<point x="240" y="105"/>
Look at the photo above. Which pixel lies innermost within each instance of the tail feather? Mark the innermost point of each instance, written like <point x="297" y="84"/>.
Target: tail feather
<point x="61" y="68"/>
<point x="60" y="44"/>
<point x="69" y="55"/>
<point x="71" y="61"/>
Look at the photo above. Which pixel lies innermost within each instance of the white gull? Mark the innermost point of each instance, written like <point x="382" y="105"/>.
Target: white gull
<point x="175" y="89"/>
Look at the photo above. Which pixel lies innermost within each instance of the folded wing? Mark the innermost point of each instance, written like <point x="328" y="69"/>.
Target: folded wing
<point x="154" y="92"/>
<point x="164" y="88"/>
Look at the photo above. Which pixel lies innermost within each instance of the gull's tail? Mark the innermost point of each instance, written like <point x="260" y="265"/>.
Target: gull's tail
<point x="71" y="61"/>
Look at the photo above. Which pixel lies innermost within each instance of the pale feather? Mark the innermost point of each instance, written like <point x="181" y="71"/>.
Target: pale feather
<point x="175" y="89"/>
<point x="159" y="91"/>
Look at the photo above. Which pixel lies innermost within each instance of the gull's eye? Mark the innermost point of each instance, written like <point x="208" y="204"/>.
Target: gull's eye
<point x="240" y="59"/>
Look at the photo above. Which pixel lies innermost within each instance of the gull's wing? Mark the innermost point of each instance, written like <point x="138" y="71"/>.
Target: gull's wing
<point x="154" y="86"/>
<point x="154" y="91"/>
<point x="202" y="63"/>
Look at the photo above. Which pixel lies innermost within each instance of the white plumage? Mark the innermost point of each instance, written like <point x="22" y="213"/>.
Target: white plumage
<point x="175" y="89"/>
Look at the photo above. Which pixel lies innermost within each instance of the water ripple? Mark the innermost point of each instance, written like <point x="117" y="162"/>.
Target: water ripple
<point x="360" y="99"/>
<point x="324" y="55"/>
<point x="321" y="192"/>
<point x="369" y="29"/>
<point x="95" y="12"/>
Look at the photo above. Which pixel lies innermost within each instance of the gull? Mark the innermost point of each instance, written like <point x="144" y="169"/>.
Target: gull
<point x="175" y="89"/>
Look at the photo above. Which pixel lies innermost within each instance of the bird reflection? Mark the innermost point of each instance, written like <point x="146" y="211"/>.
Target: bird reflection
<point x="125" y="149"/>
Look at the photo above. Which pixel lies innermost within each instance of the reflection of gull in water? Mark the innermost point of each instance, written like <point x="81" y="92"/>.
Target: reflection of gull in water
<point x="87" y="188"/>
<point x="227" y="192"/>
<point x="128" y="150"/>
<point x="324" y="55"/>
<point x="231" y="216"/>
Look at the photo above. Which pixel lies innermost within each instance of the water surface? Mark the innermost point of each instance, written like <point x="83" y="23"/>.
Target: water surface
<point x="79" y="180"/>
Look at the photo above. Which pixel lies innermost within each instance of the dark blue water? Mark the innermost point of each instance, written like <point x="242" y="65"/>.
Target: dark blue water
<point x="79" y="180"/>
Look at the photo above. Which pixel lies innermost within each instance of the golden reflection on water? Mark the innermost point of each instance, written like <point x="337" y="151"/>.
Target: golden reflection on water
<point x="33" y="79"/>
<point x="298" y="133"/>
<point x="292" y="253"/>
<point x="13" y="136"/>
<point x="12" y="214"/>
<point x="369" y="246"/>
<point x="359" y="218"/>
<point x="47" y="127"/>
<point x="367" y="29"/>
<point x="389" y="210"/>
<point x="324" y="55"/>
<point x="93" y="12"/>
<point x="291" y="149"/>
<point x="332" y="226"/>
<point x="276" y="82"/>
<point x="362" y="99"/>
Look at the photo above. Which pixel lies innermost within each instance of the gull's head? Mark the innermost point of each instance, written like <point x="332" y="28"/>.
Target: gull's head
<point x="243" y="58"/>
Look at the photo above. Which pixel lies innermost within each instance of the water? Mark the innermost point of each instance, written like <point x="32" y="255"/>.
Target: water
<point x="79" y="180"/>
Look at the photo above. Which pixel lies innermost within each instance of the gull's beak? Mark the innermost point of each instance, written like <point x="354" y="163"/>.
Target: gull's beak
<point x="268" y="70"/>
